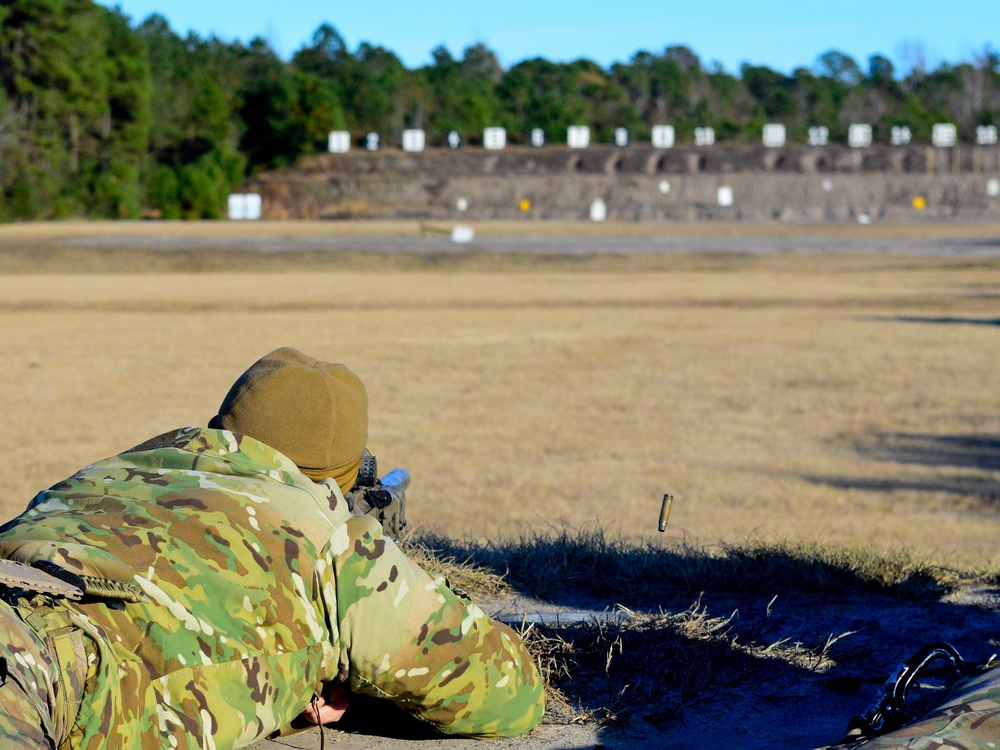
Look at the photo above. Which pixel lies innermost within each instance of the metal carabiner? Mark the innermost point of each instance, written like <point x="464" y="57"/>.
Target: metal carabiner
<point x="889" y="709"/>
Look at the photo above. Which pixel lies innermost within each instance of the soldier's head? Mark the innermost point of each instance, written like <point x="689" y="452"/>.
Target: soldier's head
<point x="314" y="412"/>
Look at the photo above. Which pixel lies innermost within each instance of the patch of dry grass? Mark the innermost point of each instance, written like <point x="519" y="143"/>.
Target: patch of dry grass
<point x="462" y="572"/>
<point x="829" y="425"/>
<point x="819" y="398"/>
<point x="652" y="666"/>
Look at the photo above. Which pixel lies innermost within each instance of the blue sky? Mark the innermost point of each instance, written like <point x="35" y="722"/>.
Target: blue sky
<point x="781" y="34"/>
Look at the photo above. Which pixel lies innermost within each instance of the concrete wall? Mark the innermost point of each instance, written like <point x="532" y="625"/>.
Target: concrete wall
<point x="797" y="183"/>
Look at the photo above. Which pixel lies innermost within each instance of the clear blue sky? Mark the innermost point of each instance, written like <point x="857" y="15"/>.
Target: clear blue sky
<point x="779" y="33"/>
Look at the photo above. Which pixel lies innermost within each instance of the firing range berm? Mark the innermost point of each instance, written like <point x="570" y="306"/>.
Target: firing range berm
<point x="641" y="183"/>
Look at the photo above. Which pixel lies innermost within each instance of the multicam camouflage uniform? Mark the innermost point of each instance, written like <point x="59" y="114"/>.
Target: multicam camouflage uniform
<point x="969" y="719"/>
<point x="224" y="589"/>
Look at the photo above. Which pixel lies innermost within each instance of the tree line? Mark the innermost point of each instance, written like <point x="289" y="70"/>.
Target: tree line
<point x="104" y="117"/>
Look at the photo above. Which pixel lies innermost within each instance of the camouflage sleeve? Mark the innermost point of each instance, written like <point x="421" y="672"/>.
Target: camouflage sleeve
<point x="407" y="637"/>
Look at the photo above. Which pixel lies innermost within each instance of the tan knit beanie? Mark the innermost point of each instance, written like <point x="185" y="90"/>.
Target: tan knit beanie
<point x="314" y="412"/>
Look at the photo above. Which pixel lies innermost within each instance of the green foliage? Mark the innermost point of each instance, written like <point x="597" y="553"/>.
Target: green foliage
<point x="461" y="94"/>
<point x="101" y="117"/>
<point x="193" y="159"/>
<point x="163" y="191"/>
<point x="204" y="184"/>
<point x="76" y="91"/>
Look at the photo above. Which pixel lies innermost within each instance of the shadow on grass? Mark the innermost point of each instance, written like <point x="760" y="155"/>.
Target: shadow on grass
<point x="972" y="451"/>
<point x="986" y="493"/>
<point x="571" y="565"/>
<point x="976" y="453"/>
<point x="941" y="320"/>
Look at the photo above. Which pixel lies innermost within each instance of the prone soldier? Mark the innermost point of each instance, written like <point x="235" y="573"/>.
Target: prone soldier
<point x="211" y="587"/>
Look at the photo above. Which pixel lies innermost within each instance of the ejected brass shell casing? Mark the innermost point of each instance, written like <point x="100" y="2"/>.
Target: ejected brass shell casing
<point x="668" y="500"/>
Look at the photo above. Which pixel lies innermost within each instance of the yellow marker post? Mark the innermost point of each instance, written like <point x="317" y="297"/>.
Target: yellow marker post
<point x="525" y="205"/>
<point x="920" y="203"/>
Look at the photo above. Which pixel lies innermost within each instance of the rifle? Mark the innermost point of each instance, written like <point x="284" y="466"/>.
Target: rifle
<point x="384" y="499"/>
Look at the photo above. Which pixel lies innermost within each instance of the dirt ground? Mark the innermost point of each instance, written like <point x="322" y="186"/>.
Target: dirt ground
<point x="843" y="390"/>
<point x="775" y="707"/>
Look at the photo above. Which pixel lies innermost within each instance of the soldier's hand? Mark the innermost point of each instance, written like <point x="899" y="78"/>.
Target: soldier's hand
<point x="330" y="706"/>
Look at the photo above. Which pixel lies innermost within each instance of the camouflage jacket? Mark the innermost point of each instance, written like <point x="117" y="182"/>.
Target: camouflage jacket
<point x="968" y="719"/>
<point x="253" y="586"/>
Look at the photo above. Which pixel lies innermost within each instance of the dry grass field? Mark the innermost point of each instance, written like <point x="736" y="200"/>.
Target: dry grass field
<point x="839" y="398"/>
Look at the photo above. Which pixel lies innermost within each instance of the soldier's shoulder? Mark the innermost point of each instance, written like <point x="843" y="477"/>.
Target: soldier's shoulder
<point x="193" y="439"/>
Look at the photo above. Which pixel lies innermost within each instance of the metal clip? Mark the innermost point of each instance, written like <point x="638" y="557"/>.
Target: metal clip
<point x="890" y="708"/>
